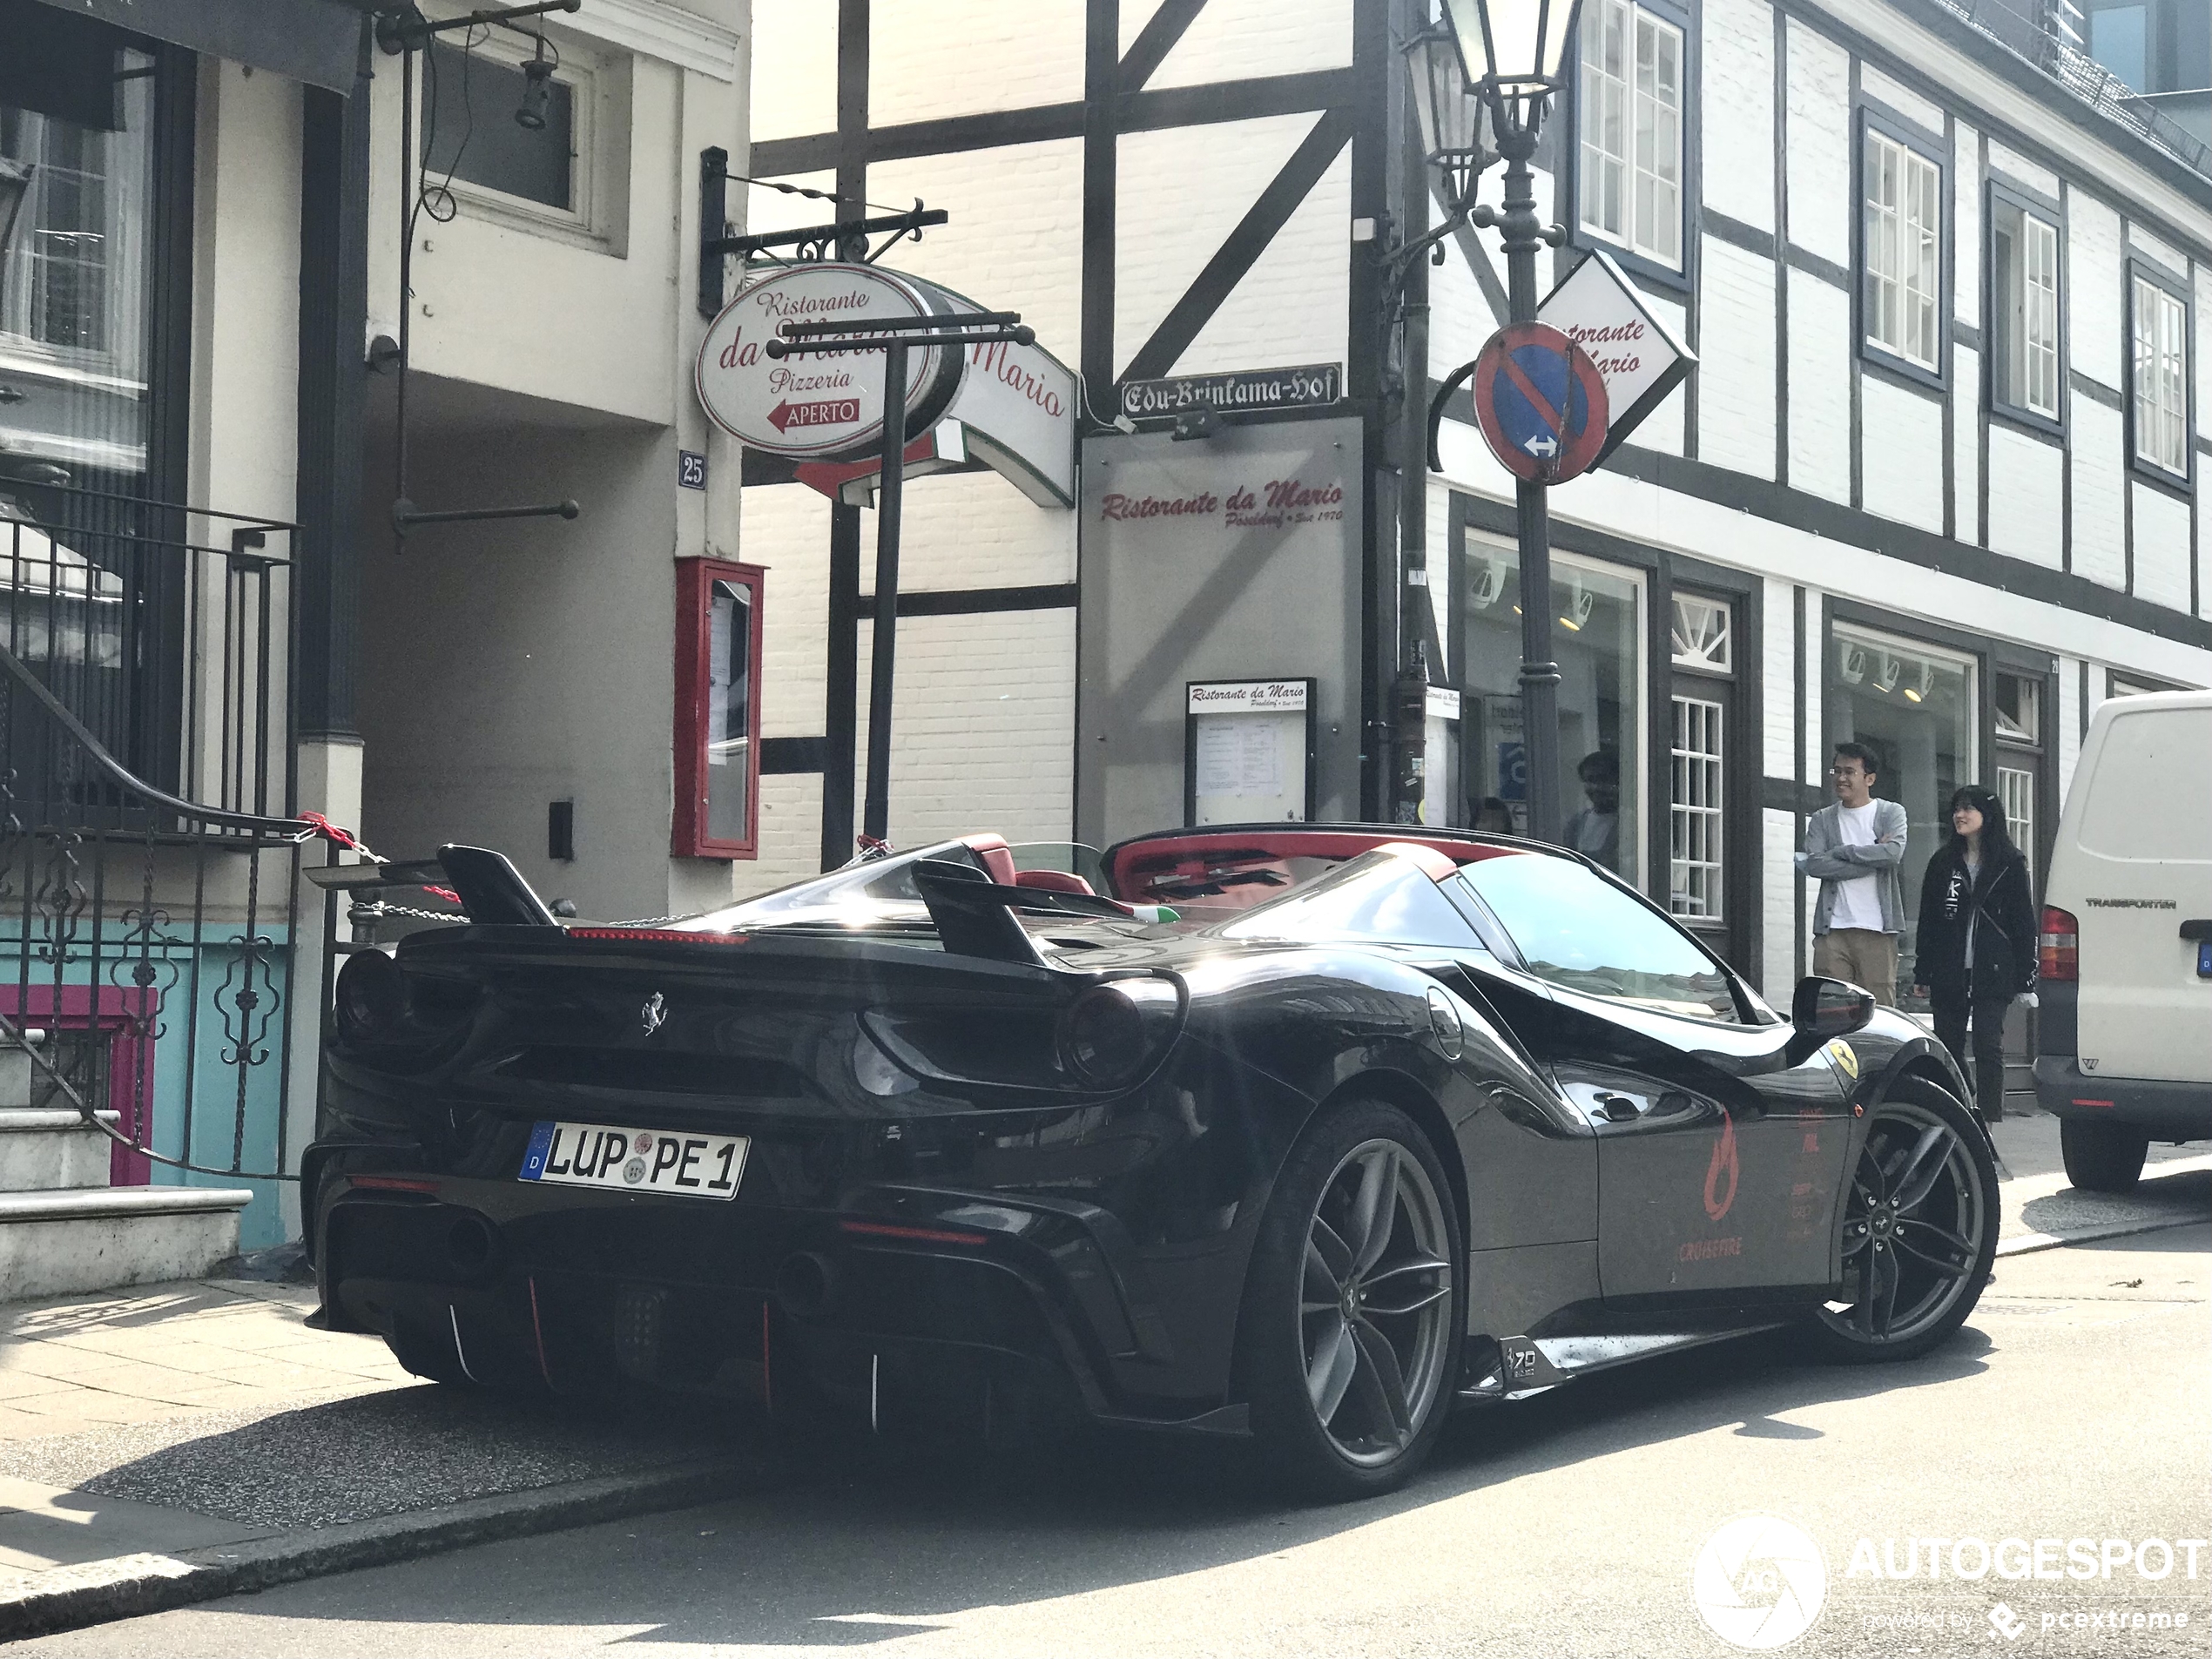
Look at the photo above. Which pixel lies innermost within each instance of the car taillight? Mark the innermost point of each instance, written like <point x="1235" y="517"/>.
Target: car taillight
<point x="2058" y="954"/>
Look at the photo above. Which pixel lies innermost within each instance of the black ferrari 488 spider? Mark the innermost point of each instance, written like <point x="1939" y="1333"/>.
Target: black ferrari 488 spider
<point x="1297" y="1133"/>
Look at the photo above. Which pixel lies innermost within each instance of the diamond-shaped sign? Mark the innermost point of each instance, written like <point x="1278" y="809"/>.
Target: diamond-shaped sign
<point x="1638" y="358"/>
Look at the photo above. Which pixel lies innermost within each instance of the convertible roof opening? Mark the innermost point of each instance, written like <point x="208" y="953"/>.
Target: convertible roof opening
<point x="1237" y="867"/>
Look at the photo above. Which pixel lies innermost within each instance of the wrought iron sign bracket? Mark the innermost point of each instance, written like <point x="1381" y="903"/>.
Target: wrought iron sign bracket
<point x="814" y="243"/>
<point x="404" y="28"/>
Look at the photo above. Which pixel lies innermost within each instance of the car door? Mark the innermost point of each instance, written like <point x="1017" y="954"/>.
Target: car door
<point x="1722" y="1136"/>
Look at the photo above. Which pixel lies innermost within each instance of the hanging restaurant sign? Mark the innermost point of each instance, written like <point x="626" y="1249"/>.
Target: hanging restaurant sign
<point x="1311" y="386"/>
<point x="825" y="406"/>
<point x="1600" y="310"/>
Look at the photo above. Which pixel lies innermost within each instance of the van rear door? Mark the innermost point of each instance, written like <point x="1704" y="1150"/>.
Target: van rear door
<point x="2140" y="868"/>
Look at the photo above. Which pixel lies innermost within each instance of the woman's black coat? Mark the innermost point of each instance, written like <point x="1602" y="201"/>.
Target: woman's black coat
<point x="2004" y="942"/>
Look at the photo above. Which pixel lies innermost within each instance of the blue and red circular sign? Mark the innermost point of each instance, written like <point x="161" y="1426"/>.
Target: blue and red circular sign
<point x="1541" y="402"/>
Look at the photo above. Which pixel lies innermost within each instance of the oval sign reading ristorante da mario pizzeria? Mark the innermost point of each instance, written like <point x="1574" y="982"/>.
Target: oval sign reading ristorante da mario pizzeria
<point x="823" y="406"/>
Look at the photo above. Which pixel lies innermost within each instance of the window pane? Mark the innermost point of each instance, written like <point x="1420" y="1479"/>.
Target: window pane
<point x="469" y="130"/>
<point x="1576" y="931"/>
<point x="729" y="711"/>
<point x="1696" y="809"/>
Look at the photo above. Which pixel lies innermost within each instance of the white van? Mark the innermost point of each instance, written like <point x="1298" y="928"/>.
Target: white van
<point x="2125" y="1039"/>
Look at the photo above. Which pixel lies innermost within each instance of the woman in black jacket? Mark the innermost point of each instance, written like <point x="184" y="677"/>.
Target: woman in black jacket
<point x="1976" y="946"/>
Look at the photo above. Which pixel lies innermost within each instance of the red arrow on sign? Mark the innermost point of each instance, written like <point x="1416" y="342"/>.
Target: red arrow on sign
<point x="834" y="412"/>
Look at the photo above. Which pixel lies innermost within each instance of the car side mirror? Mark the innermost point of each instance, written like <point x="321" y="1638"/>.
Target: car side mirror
<point x="1829" y="1007"/>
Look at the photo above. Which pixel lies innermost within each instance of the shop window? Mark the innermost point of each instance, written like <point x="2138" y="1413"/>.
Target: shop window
<point x="2159" y="402"/>
<point x="1915" y="705"/>
<point x="718" y="709"/>
<point x="1598" y="639"/>
<point x="1901" y="250"/>
<point x="1696" y="811"/>
<point x="2023" y="308"/>
<point x="76" y="181"/>
<point x="1631" y="177"/>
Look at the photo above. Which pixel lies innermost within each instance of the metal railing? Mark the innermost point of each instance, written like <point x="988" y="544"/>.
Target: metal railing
<point x="148" y="943"/>
<point x="2029" y="29"/>
<point x="166" y="629"/>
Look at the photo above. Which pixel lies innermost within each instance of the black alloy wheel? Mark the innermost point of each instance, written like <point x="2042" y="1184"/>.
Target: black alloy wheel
<point x="2102" y="1157"/>
<point x="1353" y="1318"/>
<point x="1920" y="1230"/>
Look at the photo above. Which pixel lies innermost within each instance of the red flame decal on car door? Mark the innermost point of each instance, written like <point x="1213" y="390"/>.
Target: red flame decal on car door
<point x="1717" y="1197"/>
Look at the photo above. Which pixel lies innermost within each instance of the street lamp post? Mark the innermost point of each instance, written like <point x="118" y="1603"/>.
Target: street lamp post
<point x="1511" y="53"/>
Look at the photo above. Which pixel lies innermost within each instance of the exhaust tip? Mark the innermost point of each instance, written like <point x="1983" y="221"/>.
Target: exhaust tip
<point x="807" y="1284"/>
<point x="469" y="1243"/>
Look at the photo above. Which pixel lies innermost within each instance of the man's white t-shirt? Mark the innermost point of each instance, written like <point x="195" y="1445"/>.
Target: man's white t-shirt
<point x="1858" y="902"/>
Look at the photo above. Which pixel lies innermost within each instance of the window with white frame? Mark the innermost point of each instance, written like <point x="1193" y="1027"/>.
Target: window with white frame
<point x="1903" y="250"/>
<point x="2023" y="308"/>
<point x="1631" y="119"/>
<point x="2161" y="377"/>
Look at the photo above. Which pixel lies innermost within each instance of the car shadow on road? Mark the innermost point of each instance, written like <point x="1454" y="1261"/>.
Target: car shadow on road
<point x="2155" y="1199"/>
<point x="855" y="1542"/>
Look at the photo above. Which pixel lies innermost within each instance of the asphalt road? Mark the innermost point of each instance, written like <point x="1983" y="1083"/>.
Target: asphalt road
<point x="2077" y="1403"/>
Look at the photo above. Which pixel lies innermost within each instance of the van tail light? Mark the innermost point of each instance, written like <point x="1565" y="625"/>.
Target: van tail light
<point x="2058" y="955"/>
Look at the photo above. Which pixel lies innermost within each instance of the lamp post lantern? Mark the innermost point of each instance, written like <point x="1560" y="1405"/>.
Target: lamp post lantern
<point x="1511" y="57"/>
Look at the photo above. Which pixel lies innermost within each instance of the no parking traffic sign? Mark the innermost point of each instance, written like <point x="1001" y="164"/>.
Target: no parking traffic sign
<point x="1541" y="402"/>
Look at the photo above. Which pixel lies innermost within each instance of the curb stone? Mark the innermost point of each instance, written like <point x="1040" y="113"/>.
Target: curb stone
<point x="64" y="1598"/>
<point x="2022" y="1243"/>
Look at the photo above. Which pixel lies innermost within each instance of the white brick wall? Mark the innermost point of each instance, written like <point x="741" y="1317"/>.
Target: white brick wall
<point x="1778" y="678"/>
<point x="1778" y="906"/>
<point x="791" y="834"/>
<point x="1819" y="145"/>
<point x="2026" y="496"/>
<point x="1178" y="194"/>
<point x="1234" y="39"/>
<point x="1736" y="386"/>
<point x="2162" y="549"/>
<point x="1900" y="97"/>
<point x="1966" y="446"/>
<point x="1737" y="43"/>
<point x="2163" y="253"/>
<point x="2070" y="744"/>
<point x="928" y="62"/>
<point x="985" y="725"/>
<point x="1901" y="449"/>
<point x="2100" y="550"/>
<point x="1819" y="386"/>
<point x="787" y="528"/>
<point x="1294" y="305"/>
<point x="1810" y="731"/>
<point x="2018" y="168"/>
<point x="1663" y="429"/>
<point x="2093" y="274"/>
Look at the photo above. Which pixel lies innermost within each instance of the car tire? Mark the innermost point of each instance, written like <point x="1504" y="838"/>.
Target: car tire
<point x="1920" y="1223"/>
<point x="1349" y="1340"/>
<point x="2101" y="1157"/>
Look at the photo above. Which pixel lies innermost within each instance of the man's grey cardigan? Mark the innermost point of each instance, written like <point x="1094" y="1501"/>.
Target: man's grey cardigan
<point x="1831" y="860"/>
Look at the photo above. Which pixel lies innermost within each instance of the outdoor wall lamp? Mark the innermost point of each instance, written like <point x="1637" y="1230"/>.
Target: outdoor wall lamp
<point x="537" y="90"/>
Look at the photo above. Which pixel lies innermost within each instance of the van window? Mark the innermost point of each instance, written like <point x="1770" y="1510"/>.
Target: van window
<point x="2151" y="794"/>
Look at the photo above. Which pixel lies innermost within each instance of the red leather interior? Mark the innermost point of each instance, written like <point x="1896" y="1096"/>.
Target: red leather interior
<point x="1051" y="880"/>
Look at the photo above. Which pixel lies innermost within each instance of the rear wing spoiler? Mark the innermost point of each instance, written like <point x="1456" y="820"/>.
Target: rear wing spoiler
<point x="491" y="890"/>
<point x="974" y="915"/>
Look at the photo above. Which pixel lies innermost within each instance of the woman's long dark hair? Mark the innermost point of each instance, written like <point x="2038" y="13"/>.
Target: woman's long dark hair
<point x="1996" y="830"/>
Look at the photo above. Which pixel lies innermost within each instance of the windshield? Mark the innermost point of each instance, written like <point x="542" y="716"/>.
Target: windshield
<point x="1579" y="931"/>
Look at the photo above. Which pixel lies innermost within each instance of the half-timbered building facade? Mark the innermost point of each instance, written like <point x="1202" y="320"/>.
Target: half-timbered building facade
<point x="1935" y="483"/>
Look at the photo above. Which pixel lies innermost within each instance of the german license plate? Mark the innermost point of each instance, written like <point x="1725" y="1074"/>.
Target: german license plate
<point x="635" y="1160"/>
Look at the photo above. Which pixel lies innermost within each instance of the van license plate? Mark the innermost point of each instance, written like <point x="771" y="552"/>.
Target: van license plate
<point x="635" y="1160"/>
